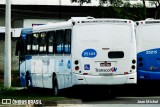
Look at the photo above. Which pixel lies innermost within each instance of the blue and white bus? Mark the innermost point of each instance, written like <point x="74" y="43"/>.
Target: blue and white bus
<point x="148" y="49"/>
<point x="21" y="51"/>
<point x="81" y="51"/>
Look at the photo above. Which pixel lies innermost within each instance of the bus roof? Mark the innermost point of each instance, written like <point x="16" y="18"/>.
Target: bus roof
<point x="92" y="20"/>
<point x="77" y="20"/>
<point x="26" y="31"/>
<point x="148" y="21"/>
<point x="51" y="26"/>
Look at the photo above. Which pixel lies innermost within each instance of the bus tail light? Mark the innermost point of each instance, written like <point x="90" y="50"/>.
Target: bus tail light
<point x="133" y="67"/>
<point x="76" y="62"/>
<point x="133" y="61"/>
<point x="77" y="68"/>
<point x="140" y="64"/>
<point x="140" y="59"/>
<point x="133" y="64"/>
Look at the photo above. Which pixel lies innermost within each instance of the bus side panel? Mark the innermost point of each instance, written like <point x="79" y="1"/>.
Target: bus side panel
<point x="38" y="69"/>
<point x="63" y="70"/>
<point x="68" y="79"/>
<point x="30" y="69"/>
<point x="47" y="75"/>
<point x="23" y="73"/>
<point x="59" y="72"/>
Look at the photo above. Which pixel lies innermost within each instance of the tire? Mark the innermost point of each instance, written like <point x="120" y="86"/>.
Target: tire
<point x="55" y="86"/>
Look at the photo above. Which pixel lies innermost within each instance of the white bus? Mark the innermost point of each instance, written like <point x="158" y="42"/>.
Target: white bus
<point x="148" y="49"/>
<point x="2" y="29"/>
<point x="81" y="51"/>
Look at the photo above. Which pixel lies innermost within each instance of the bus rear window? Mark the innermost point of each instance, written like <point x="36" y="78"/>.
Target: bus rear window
<point x="116" y="54"/>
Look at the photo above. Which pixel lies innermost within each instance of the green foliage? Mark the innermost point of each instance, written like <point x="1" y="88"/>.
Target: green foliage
<point x="1" y="84"/>
<point x="156" y="3"/>
<point x="81" y="1"/>
<point x="112" y="2"/>
<point x="15" y="80"/>
<point x="124" y="10"/>
<point x="118" y="9"/>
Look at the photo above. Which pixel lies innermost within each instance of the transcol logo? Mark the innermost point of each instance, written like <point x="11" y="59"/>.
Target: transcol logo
<point x="113" y="69"/>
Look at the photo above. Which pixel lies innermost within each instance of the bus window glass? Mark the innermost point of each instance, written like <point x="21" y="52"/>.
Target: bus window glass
<point x="51" y="42"/>
<point x="35" y="43"/>
<point x="59" y="41"/>
<point x="67" y="41"/>
<point x="42" y="43"/>
<point x="28" y="43"/>
<point x="22" y="47"/>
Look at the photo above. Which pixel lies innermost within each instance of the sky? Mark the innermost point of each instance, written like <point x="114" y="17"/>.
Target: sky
<point x="48" y="2"/>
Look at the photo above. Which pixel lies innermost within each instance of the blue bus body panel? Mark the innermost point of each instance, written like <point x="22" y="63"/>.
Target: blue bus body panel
<point x="148" y="64"/>
<point x="23" y="69"/>
<point x="26" y="31"/>
<point x="148" y="75"/>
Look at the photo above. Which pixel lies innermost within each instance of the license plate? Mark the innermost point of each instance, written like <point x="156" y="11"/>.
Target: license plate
<point x="105" y="74"/>
<point x="105" y="64"/>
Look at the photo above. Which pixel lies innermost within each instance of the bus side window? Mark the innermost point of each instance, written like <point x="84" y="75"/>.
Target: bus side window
<point x="67" y="41"/>
<point x="59" y="41"/>
<point x="22" y="47"/>
<point x="51" y="42"/>
<point x="28" y="44"/>
<point x="35" y="43"/>
<point x="42" y="43"/>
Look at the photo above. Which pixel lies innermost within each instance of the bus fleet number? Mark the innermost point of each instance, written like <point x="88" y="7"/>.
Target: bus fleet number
<point x="151" y="52"/>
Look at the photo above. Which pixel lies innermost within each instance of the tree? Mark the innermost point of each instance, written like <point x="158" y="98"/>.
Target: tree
<point x="111" y="2"/>
<point x="118" y="9"/>
<point x="156" y="3"/>
<point x="144" y="8"/>
<point x="81" y="1"/>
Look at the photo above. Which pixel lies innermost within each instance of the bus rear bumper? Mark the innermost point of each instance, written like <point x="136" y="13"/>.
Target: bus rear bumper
<point x="148" y="75"/>
<point x="105" y="80"/>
